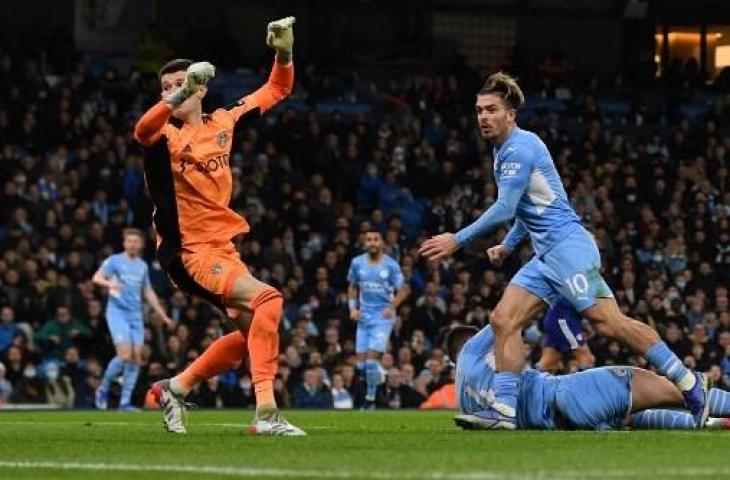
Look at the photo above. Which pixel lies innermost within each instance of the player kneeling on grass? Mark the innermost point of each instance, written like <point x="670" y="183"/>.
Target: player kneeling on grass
<point x="596" y="399"/>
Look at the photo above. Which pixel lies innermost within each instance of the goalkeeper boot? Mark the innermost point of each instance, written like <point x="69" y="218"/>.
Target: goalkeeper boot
<point x="173" y="406"/>
<point x="274" y="424"/>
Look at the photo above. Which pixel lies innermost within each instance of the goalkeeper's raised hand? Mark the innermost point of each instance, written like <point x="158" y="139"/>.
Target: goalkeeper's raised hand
<point x="198" y="75"/>
<point x="280" y="36"/>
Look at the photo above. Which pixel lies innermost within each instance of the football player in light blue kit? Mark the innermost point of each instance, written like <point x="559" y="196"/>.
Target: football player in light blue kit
<point x="566" y="262"/>
<point x="595" y="399"/>
<point x="376" y="291"/>
<point x="126" y="276"/>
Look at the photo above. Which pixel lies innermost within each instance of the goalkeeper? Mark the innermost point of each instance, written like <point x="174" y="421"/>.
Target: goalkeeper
<point x="595" y="399"/>
<point x="190" y="182"/>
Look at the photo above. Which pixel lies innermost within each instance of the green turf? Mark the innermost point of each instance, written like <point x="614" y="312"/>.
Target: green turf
<point x="348" y="445"/>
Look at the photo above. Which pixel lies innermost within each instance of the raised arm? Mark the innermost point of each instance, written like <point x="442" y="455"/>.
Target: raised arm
<point x="280" y="37"/>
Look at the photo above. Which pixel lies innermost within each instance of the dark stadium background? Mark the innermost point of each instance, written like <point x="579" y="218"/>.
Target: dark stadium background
<point x="632" y="98"/>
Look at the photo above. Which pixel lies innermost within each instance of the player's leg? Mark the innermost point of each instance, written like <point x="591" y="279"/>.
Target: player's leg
<point x="362" y="340"/>
<point x="718" y="400"/>
<point x="550" y="360"/>
<point x="225" y="353"/>
<point x="380" y="329"/>
<point x="649" y="391"/>
<point x="372" y="378"/>
<point x="206" y="274"/>
<point x="595" y="399"/>
<point x="267" y="304"/>
<point x="521" y="301"/>
<point x="578" y="279"/>
<point x="131" y="367"/>
<point x="611" y="322"/>
<point x="118" y="328"/>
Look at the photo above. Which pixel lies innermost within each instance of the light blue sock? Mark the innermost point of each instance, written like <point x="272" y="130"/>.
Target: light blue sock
<point x="663" y="419"/>
<point x="719" y="401"/>
<point x="506" y="385"/>
<point x="372" y="378"/>
<point x="131" y="372"/>
<point x="668" y="365"/>
<point x="113" y="370"/>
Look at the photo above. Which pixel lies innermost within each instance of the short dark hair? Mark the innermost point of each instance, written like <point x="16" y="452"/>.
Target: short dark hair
<point x="456" y="337"/>
<point x="176" y="65"/>
<point x="506" y="87"/>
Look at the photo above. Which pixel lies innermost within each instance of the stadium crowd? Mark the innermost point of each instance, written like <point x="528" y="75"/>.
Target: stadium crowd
<point x="651" y="182"/>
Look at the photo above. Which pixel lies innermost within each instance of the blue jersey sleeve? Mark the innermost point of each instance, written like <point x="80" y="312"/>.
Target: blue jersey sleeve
<point x="109" y="266"/>
<point x="352" y="276"/>
<point x="515" y="235"/>
<point x="396" y="275"/>
<point x="514" y="177"/>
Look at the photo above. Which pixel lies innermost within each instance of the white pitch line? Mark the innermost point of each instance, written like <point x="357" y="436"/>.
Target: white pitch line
<point x="91" y="423"/>
<point x="275" y="472"/>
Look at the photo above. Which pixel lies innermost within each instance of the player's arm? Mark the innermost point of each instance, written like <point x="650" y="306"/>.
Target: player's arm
<point x="148" y="129"/>
<point x="352" y="305"/>
<point x="401" y="292"/>
<point x="498" y="253"/>
<point x="352" y="292"/>
<point x="512" y="186"/>
<point x="151" y="297"/>
<point x="104" y="277"/>
<point x="280" y="37"/>
<point x="503" y="210"/>
<point x="515" y="235"/>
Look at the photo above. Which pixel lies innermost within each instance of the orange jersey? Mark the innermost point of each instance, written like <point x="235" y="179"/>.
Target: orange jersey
<point x="187" y="168"/>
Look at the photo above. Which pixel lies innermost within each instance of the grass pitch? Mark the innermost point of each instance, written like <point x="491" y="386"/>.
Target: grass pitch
<point x="342" y="445"/>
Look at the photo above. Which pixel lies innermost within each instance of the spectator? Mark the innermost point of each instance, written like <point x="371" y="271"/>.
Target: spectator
<point x="59" y="389"/>
<point x="6" y="389"/>
<point x="8" y="328"/>
<point x="341" y="397"/>
<point x="61" y="333"/>
<point x="312" y="393"/>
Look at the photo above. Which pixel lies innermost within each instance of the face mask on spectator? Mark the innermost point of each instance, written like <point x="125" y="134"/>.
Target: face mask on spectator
<point x="29" y="372"/>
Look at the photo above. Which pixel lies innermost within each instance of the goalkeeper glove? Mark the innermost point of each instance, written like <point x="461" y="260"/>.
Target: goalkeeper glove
<point x="198" y="74"/>
<point x="280" y="36"/>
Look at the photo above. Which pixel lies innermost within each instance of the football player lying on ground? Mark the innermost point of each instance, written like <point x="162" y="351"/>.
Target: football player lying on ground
<point x="596" y="399"/>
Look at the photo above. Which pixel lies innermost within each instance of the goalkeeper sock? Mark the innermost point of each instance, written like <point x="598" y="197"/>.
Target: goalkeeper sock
<point x="668" y="365"/>
<point x="506" y="385"/>
<point x="263" y="345"/>
<point x="372" y="378"/>
<point x="719" y="401"/>
<point x="129" y="380"/>
<point x="113" y="370"/>
<point x="663" y="419"/>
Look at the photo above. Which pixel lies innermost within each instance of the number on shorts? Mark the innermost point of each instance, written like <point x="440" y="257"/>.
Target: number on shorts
<point x="578" y="284"/>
